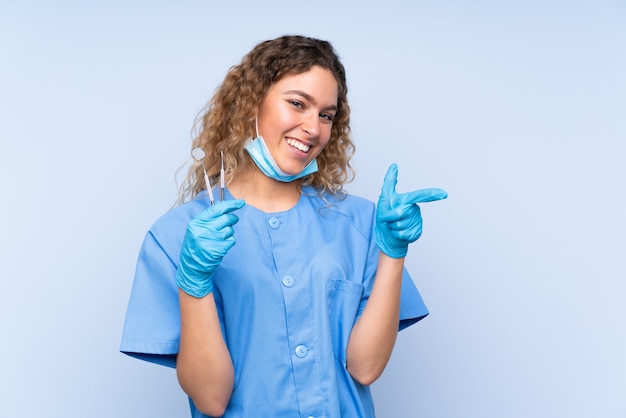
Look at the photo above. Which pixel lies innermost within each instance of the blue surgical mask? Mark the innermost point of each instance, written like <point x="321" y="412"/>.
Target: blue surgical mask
<point x="263" y="159"/>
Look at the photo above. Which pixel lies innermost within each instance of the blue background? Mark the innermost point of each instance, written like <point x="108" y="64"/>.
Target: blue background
<point x="516" y="108"/>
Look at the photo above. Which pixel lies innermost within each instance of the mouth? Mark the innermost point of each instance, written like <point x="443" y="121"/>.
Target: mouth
<point x="293" y="143"/>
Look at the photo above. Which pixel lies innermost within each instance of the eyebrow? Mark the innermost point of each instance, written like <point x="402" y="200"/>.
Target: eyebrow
<point x="310" y="98"/>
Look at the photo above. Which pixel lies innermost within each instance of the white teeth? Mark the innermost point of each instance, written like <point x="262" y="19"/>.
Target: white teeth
<point x="299" y="145"/>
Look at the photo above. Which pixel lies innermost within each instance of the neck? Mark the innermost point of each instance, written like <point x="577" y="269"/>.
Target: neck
<point x="262" y="192"/>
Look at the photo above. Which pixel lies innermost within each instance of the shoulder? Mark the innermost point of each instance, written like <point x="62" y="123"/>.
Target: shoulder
<point x="171" y="226"/>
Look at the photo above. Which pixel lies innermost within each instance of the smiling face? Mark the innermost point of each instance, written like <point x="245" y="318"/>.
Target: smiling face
<point x="296" y="117"/>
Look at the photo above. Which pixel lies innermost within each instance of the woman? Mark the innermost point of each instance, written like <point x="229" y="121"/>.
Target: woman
<point x="285" y="299"/>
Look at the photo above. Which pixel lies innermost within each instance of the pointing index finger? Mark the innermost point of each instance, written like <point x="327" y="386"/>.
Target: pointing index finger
<point x="421" y="196"/>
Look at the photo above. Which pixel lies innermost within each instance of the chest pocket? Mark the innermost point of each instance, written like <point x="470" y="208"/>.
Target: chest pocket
<point x="344" y="298"/>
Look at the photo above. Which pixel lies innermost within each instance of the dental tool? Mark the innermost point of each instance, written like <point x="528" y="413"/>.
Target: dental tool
<point x="222" y="177"/>
<point x="198" y="154"/>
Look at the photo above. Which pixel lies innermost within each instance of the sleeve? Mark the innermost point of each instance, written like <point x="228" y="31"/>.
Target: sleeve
<point x="152" y="325"/>
<point x="412" y="307"/>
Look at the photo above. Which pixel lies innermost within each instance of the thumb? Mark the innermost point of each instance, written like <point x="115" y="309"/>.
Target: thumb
<point x="227" y="206"/>
<point x="389" y="184"/>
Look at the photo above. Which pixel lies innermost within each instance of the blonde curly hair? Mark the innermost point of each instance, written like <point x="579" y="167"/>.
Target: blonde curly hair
<point x="228" y="119"/>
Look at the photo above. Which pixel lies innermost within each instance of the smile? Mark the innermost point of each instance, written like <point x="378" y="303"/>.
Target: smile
<point x="298" y="145"/>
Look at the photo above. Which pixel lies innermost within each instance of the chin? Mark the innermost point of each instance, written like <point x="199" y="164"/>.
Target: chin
<point x="293" y="170"/>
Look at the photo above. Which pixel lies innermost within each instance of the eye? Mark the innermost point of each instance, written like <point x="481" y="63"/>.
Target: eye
<point x="327" y="116"/>
<point x="297" y="104"/>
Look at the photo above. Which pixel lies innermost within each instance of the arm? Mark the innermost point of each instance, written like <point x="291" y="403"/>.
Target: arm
<point x="203" y="366"/>
<point x="398" y="223"/>
<point x="374" y="334"/>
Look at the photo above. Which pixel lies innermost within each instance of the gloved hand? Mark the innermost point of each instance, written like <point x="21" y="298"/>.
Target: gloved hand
<point x="398" y="217"/>
<point x="208" y="238"/>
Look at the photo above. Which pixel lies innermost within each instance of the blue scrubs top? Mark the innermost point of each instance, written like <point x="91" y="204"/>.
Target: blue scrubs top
<point x="288" y="294"/>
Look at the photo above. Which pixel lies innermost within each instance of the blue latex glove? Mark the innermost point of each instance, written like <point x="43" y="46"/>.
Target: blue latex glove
<point x="208" y="238"/>
<point x="398" y="217"/>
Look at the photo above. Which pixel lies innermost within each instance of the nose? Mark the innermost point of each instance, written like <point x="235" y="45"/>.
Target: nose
<point x="311" y="124"/>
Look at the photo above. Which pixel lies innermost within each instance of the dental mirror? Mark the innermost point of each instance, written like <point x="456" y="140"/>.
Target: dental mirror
<point x="198" y="154"/>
